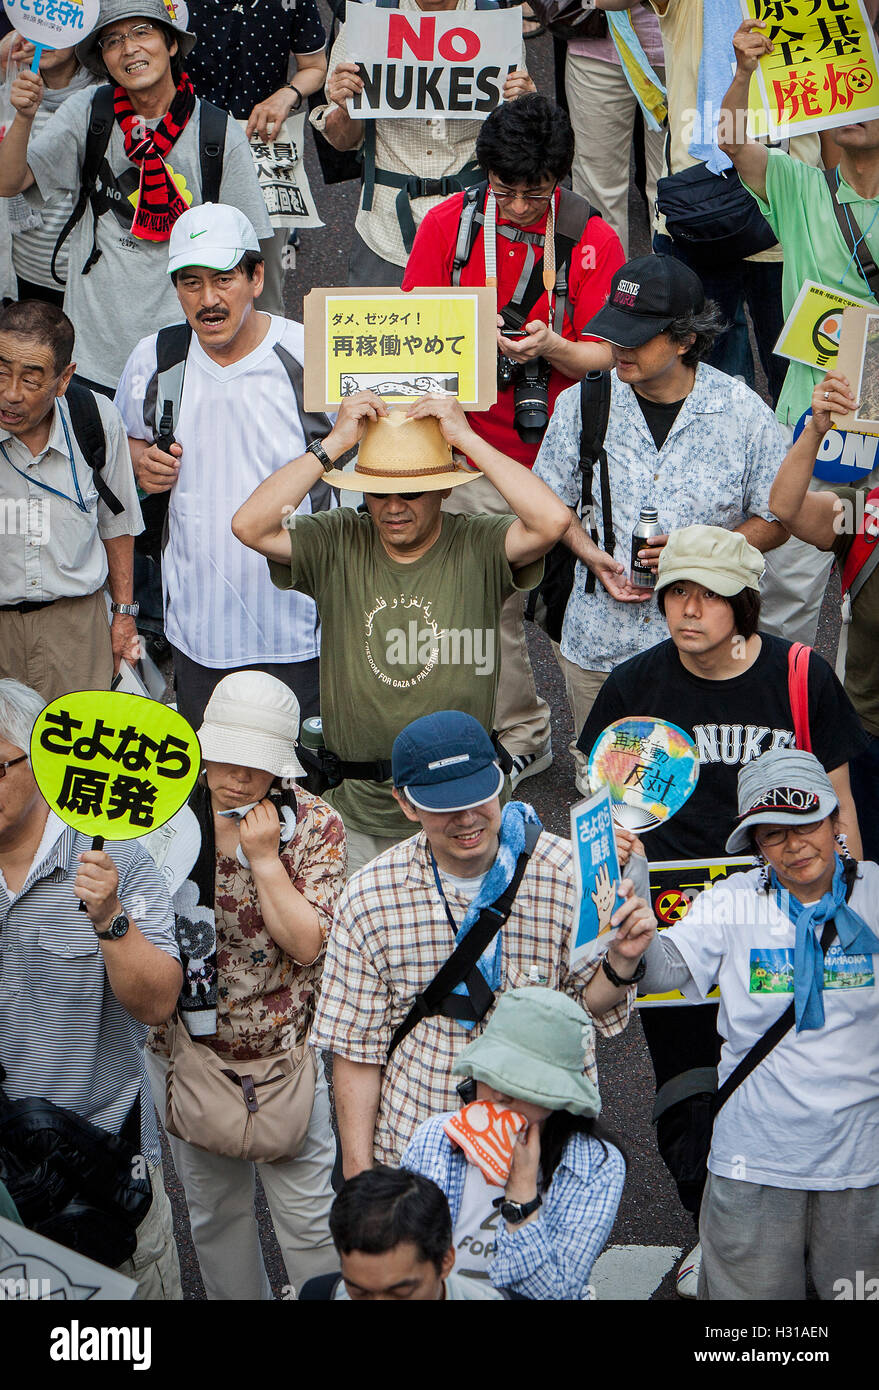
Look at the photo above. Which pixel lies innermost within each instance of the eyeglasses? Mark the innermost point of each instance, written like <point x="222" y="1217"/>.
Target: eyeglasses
<point x="505" y="195"/>
<point x="115" y="41"/>
<point x="11" y="763"/>
<point x="779" y="833"/>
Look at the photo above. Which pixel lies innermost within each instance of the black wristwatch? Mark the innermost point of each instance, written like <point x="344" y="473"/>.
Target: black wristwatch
<point x="514" y="1212"/>
<point x="320" y="453"/>
<point x="117" y="928"/>
<point x="615" y="979"/>
<point x="294" y="88"/>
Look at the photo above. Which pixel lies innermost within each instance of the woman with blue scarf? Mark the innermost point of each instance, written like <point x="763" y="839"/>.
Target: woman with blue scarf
<point x="793" y="1171"/>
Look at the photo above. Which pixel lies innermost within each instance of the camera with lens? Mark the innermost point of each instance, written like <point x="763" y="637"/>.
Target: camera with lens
<point x="530" y="383"/>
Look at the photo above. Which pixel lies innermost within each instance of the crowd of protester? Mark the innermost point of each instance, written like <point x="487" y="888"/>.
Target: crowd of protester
<point x="370" y="953"/>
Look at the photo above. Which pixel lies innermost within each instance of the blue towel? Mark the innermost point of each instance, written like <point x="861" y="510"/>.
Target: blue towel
<point x="720" y="19"/>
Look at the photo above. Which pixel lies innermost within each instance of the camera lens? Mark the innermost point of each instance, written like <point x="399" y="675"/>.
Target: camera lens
<point x="531" y="401"/>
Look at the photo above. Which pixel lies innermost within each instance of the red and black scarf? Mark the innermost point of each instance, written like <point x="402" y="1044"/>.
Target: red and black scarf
<point x="159" y="200"/>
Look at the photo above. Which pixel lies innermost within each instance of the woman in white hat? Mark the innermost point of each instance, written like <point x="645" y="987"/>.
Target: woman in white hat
<point x="793" y="1170"/>
<point x="233" y="1074"/>
<point x="532" y="1213"/>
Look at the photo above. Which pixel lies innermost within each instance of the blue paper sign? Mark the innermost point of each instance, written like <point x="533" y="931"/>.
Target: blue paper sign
<point x="843" y="456"/>
<point x="596" y="873"/>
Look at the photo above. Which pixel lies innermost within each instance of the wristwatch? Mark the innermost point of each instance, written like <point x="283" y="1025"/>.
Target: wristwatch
<point x="514" y="1212"/>
<point x="615" y="979"/>
<point x="131" y="608"/>
<point x="117" y="928"/>
<point x="320" y="453"/>
<point x="294" y="88"/>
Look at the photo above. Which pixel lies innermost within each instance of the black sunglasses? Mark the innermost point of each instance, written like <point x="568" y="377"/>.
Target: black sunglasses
<point x="406" y="496"/>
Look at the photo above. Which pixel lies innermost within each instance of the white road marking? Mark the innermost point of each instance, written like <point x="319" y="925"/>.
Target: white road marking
<point x="633" y="1272"/>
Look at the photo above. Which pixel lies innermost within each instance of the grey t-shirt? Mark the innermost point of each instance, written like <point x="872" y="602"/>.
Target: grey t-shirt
<point x="128" y="293"/>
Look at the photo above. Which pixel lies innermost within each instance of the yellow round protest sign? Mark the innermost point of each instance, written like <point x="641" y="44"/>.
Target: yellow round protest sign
<point x="113" y="765"/>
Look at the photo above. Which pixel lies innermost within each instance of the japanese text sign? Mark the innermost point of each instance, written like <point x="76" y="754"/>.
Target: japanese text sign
<point x="823" y="70"/>
<point x="673" y="886"/>
<point x="451" y="65"/>
<point x="282" y="177"/>
<point x="53" y="23"/>
<point x="813" y="328"/>
<point x="596" y="874"/>
<point x="650" y="768"/>
<point x="113" y="765"/>
<point x="400" y="345"/>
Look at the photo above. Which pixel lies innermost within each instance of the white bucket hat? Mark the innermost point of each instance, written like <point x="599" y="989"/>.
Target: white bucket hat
<point x="252" y="720"/>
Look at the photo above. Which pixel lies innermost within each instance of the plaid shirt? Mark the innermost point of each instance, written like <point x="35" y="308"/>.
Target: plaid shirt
<point x="552" y="1256"/>
<point x="389" y="938"/>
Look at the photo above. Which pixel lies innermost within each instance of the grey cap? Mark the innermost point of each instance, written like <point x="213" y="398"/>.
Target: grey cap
<point x="88" y="52"/>
<point x="783" y="787"/>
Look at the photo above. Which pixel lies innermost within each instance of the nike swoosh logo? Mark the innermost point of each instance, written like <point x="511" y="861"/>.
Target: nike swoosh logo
<point x="193" y="235"/>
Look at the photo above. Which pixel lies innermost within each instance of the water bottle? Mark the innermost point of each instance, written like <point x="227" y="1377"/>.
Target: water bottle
<point x="647" y="526"/>
<point x="311" y="734"/>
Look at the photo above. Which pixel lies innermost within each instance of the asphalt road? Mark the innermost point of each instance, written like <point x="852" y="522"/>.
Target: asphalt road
<point x="650" y="1213"/>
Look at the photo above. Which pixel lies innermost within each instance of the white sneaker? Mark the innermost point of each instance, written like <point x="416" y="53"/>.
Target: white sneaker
<point x="529" y="764"/>
<point x="688" y="1273"/>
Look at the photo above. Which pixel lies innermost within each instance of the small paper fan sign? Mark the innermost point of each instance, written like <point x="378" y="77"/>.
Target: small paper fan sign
<point x="650" y="767"/>
<point x="53" y="23"/>
<point x="114" y="766"/>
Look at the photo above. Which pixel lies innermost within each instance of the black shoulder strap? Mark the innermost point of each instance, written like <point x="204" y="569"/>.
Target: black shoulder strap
<point x="320" y="1287"/>
<point x="172" y="347"/>
<point x="845" y="217"/>
<point x="474" y="198"/>
<point x="211" y="147"/>
<point x="314" y="426"/>
<point x="594" y="415"/>
<point x="461" y="965"/>
<point x="96" y="141"/>
<point x="785" y="1021"/>
<point x="89" y="431"/>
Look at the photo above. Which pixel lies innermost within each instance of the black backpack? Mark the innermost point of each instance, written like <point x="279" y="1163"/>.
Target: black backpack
<point x="547" y="603"/>
<point x="162" y="411"/>
<point x="89" y="431"/>
<point x="211" y="146"/>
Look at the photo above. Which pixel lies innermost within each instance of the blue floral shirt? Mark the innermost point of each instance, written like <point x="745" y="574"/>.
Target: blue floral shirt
<point x="716" y="468"/>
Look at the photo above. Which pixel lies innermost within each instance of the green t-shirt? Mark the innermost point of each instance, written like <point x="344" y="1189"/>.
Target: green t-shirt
<point x="862" y="658"/>
<point x="399" y="640"/>
<point x="799" y="209"/>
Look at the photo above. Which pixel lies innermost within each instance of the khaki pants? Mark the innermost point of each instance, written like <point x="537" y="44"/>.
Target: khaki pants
<point x="602" y="108"/>
<point x="581" y="688"/>
<point x="154" y="1263"/>
<point x="220" y="1195"/>
<point x="363" y="848"/>
<point x="62" y="647"/>
<point x="521" y="717"/>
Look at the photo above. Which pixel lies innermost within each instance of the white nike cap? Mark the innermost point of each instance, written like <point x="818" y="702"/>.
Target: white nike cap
<point x="212" y="234"/>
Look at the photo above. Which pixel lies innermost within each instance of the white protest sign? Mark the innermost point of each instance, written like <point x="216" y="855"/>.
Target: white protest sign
<point x="53" y="23"/>
<point x="452" y="64"/>
<point x="32" y="1267"/>
<point x="282" y="177"/>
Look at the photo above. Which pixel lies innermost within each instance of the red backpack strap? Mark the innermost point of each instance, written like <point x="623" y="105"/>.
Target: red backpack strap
<point x="864" y="541"/>
<point x="798" y="690"/>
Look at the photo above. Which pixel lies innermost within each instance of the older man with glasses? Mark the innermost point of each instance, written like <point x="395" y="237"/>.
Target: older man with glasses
<point x="497" y="233"/>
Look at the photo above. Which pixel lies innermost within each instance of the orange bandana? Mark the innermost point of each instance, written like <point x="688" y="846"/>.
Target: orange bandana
<point x="486" y="1134"/>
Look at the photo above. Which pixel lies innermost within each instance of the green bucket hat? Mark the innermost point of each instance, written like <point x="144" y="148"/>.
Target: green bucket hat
<point x="534" y="1048"/>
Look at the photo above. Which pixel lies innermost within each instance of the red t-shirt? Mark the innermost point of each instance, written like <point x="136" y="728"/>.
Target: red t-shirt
<point x="593" y="261"/>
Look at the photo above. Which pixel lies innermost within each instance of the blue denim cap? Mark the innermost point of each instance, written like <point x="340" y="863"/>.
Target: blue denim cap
<point x="446" y="762"/>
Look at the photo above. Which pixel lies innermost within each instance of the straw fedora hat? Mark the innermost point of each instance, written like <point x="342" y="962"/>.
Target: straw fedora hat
<point x="397" y="454"/>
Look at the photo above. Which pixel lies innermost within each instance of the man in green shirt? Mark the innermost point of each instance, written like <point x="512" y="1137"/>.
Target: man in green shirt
<point x="797" y="202"/>
<point x="409" y="597"/>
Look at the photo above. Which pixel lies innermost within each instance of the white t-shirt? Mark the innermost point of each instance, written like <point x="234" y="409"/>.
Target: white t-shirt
<point x="236" y="426"/>
<point x="475" y="1232"/>
<point x="807" y="1117"/>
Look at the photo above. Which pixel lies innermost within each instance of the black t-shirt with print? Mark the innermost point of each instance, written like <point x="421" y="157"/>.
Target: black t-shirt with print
<point x="731" y="722"/>
<point x="660" y="416"/>
<point x="242" y="51"/>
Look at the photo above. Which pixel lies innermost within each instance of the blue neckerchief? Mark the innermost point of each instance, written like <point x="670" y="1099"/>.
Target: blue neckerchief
<point x="855" y="938"/>
<point x="511" y="844"/>
<point x="716" y="68"/>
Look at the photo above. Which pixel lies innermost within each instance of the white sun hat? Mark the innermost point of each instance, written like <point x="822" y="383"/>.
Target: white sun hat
<point x="252" y="720"/>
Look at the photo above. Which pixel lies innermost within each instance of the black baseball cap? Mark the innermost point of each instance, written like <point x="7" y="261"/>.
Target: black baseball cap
<point x="646" y="295"/>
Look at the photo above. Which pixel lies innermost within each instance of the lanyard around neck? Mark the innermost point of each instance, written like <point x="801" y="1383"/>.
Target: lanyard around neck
<point x="78" y="499"/>
<point x="489" y="242"/>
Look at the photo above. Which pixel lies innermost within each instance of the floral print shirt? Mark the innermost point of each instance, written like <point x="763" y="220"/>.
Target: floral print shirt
<point x="266" y="1000"/>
